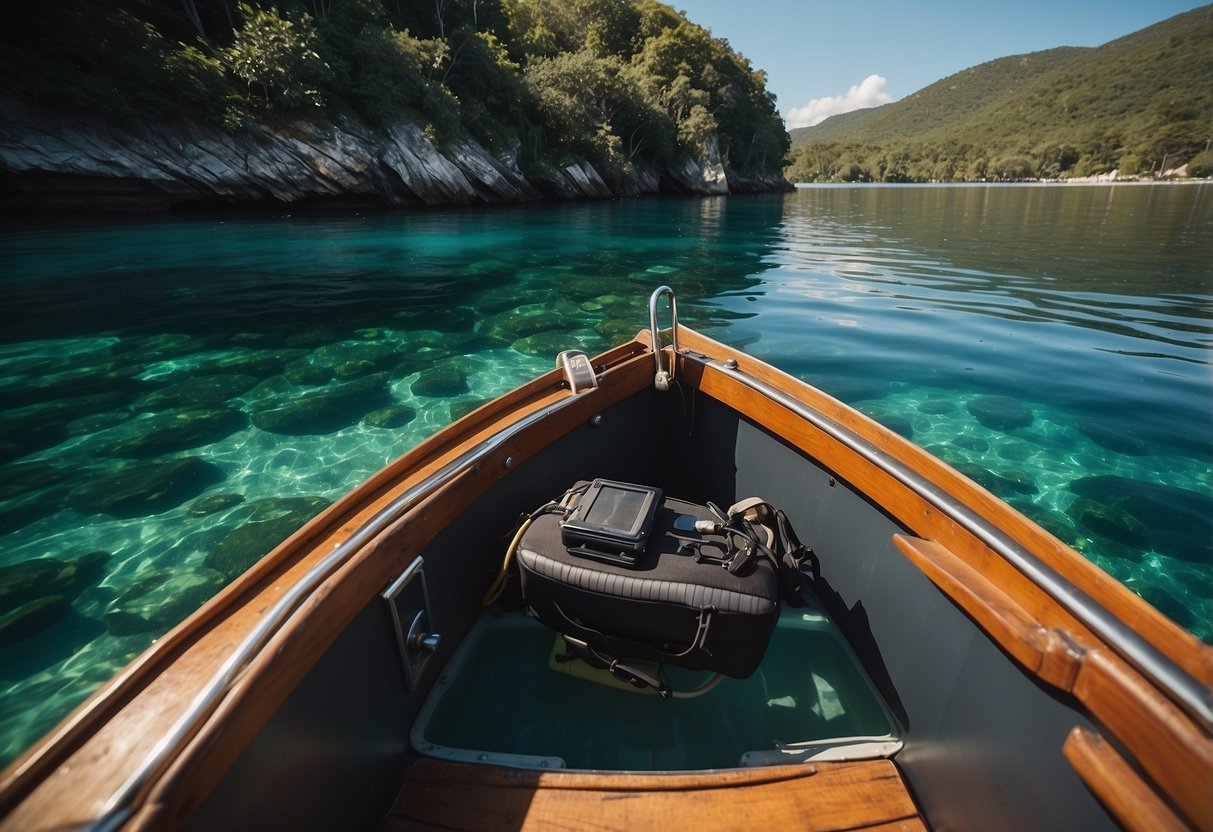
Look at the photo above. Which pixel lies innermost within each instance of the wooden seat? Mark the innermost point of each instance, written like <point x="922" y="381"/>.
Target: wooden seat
<point x="819" y="798"/>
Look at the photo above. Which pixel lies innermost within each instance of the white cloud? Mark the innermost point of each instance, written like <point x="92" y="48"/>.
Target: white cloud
<point x="870" y="93"/>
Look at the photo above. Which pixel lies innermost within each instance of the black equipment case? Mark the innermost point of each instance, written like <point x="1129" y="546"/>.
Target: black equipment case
<point x="674" y="602"/>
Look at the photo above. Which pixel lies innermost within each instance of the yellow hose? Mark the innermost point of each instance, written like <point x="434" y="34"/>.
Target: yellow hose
<point x="499" y="582"/>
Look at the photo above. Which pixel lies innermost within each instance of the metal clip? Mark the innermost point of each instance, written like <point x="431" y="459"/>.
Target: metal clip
<point x="664" y="377"/>
<point x="578" y="371"/>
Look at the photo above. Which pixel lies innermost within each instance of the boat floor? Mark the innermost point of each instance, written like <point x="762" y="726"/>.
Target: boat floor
<point x="509" y="743"/>
<point x="823" y="797"/>
<point x="502" y="701"/>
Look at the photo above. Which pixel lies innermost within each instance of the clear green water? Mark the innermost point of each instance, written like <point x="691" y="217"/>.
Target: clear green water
<point x="180" y="394"/>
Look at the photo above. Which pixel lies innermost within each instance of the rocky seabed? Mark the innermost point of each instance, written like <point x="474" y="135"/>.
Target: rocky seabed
<point x="57" y="162"/>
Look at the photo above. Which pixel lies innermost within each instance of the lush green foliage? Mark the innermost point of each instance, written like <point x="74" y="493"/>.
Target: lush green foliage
<point x="1143" y="103"/>
<point x="276" y="56"/>
<point x="630" y="83"/>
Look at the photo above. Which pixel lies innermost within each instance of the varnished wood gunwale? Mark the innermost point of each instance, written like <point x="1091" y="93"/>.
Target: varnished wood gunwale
<point x="1018" y="615"/>
<point x="109" y="734"/>
<point x="826" y="797"/>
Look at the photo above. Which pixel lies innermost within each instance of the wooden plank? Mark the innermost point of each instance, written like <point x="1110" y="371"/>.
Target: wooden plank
<point x="1176" y="754"/>
<point x="1047" y="654"/>
<point x="1130" y="800"/>
<point x="828" y="797"/>
<point x="428" y="771"/>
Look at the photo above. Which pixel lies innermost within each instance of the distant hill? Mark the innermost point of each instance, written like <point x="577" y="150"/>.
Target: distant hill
<point x="1139" y="104"/>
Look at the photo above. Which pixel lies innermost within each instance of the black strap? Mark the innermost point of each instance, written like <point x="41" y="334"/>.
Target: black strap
<point x="791" y="579"/>
<point x="638" y="679"/>
<point x="789" y="553"/>
<point x="610" y="646"/>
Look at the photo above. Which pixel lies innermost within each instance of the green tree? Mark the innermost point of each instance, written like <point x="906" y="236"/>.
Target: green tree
<point x="1130" y="165"/>
<point x="1201" y="165"/>
<point x="593" y="105"/>
<point x="276" y="57"/>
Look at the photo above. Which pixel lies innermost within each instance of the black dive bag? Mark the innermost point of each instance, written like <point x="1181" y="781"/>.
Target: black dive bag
<point x="668" y="595"/>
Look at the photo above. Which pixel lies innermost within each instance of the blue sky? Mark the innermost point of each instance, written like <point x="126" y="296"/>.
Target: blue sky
<point x="888" y="49"/>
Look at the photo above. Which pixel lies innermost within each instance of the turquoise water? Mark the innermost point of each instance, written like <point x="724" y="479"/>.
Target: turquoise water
<point x="181" y="393"/>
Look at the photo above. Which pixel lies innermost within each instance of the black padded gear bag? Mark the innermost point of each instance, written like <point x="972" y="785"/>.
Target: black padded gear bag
<point x="676" y="604"/>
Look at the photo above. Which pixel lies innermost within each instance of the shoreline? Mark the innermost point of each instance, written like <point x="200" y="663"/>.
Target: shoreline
<point x="1026" y="183"/>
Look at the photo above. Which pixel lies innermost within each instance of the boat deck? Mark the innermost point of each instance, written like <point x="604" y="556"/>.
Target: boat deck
<point x="823" y="797"/>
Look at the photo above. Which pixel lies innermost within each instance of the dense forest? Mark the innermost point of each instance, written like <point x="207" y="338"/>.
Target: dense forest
<point x="625" y="84"/>
<point x="1139" y="105"/>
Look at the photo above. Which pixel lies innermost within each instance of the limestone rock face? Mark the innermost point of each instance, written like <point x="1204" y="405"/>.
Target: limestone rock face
<point x="57" y="162"/>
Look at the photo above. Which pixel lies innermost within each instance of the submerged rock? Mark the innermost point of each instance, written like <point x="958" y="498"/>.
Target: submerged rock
<point x="75" y="385"/>
<point x="136" y="489"/>
<point x="851" y="390"/>
<point x="28" y="580"/>
<point x="893" y="421"/>
<point x="324" y="410"/>
<point x="22" y="478"/>
<point x="394" y="416"/>
<point x="160" y="600"/>
<point x="259" y="363"/>
<point x="971" y="443"/>
<point x="32" y="618"/>
<point x="1015" y="451"/>
<point x="98" y="422"/>
<point x="155" y="347"/>
<point x="937" y="407"/>
<point x="37" y="427"/>
<point x="24" y="507"/>
<point x="158" y="435"/>
<point x="1109" y="436"/>
<point x="304" y="372"/>
<point x="213" y="503"/>
<point x="547" y="344"/>
<point x="440" y="381"/>
<point x="309" y="338"/>
<point x="266" y="524"/>
<point x="376" y="355"/>
<point x="1001" y="413"/>
<point x="204" y="391"/>
<point x="461" y="409"/>
<point x="442" y="318"/>
<point x="1050" y="521"/>
<point x="1108" y="522"/>
<point x="523" y="321"/>
<point x="1174" y="521"/>
<point x="1004" y="486"/>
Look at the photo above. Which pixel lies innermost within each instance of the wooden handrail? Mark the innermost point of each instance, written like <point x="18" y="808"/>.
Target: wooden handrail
<point x="1051" y="655"/>
<point x="1114" y="782"/>
<point x="1170" y="748"/>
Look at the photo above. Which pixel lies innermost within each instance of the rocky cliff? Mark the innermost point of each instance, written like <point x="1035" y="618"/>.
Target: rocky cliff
<point x="57" y="163"/>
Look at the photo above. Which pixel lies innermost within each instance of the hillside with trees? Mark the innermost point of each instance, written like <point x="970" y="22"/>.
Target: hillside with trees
<point x="630" y="86"/>
<point x="1139" y="105"/>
